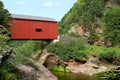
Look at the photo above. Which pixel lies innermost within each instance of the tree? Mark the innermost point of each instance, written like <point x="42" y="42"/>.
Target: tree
<point x="112" y="25"/>
<point x="4" y="16"/>
<point x="4" y="33"/>
<point x="84" y="12"/>
<point x="91" y="11"/>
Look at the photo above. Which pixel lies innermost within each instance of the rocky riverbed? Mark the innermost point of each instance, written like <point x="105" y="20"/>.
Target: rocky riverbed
<point x="86" y="66"/>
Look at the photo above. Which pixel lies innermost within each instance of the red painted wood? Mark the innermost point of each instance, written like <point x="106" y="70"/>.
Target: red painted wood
<point x="26" y="29"/>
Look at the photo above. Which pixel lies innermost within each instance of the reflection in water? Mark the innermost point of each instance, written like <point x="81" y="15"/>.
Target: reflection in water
<point x="71" y="76"/>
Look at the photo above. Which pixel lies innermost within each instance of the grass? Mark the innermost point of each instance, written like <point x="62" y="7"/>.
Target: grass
<point x="109" y="75"/>
<point x="110" y="54"/>
<point x="77" y="50"/>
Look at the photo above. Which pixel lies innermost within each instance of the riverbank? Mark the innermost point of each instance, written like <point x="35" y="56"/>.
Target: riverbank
<point x="91" y="67"/>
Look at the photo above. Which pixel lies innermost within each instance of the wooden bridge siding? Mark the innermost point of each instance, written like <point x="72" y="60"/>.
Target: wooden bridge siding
<point x="26" y="29"/>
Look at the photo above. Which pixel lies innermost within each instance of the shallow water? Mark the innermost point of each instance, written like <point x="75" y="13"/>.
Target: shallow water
<point x="71" y="76"/>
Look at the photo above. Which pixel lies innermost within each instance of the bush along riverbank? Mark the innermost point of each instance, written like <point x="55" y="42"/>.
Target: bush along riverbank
<point x="108" y="75"/>
<point x="81" y="58"/>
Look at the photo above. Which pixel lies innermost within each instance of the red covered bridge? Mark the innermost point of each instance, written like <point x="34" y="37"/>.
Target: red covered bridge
<point x="26" y="27"/>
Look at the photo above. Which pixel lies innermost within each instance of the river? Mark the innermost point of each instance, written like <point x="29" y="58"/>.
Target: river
<point x="72" y="76"/>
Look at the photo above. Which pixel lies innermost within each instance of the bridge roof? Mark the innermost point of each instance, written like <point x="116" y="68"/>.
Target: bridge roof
<point x="19" y="16"/>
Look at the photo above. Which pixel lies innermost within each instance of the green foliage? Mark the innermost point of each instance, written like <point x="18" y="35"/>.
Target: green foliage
<point x="84" y="12"/>
<point x="89" y="14"/>
<point x="94" y="50"/>
<point x="93" y="36"/>
<point x="16" y="43"/>
<point x="59" y="68"/>
<point x="4" y="33"/>
<point x="3" y="41"/>
<point x="91" y="11"/>
<point x="6" y="67"/>
<point x="4" y="37"/>
<point x="68" y="50"/>
<point x="112" y="55"/>
<point x="6" y="71"/>
<point x="5" y="75"/>
<point x="72" y="17"/>
<point x="38" y="45"/>
<point x="76" y="50"/>
<point x="24" y="54"/>
<point x="112" y="20"/>
<point x="4" y="16"/>
<point x="109" y="75"/>
<point x="72" y="34"/>
<point x="25" y="50"/>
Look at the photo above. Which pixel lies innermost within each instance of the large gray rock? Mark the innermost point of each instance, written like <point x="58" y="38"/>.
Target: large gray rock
<point x="30" y="73"/>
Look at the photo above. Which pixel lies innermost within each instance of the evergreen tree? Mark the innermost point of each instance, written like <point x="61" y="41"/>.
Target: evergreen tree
<point x="4" y="33"/>
<point x="4" y="16"/>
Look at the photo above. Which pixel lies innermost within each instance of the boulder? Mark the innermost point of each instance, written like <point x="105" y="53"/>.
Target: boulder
<point x="81" y="60"/>
<point x="30" y="73"/>
<point x="118" y="68"/>
<point x="51" y="61"/>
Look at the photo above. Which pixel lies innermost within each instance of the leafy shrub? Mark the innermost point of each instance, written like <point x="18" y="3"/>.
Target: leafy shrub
<point x="110" y="54"/>
<point x="68" y="50"/>
<point x="3" y="37"/>
<point x="72" y="34"/>
<point x="5" y="75"/>
<point x="93" y="36"/>
<point x="4" y="18"/>
<point x="38" y="45"/>
<point x="76" y="49"/>
<point x="109" y="75"/>
<point x="25" y="49"/>
<point x="93" y="50"/>
<point x="112" y="23"/>
<point x="3" y="41"/>
<point x="16" y="43"/>
<point x="59" y="68"/>
<point x="6" y="71"/>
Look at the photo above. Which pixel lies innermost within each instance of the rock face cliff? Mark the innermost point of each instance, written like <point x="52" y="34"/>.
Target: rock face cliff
<point x="85" y="13"/>
<point x="86" y="19"/>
